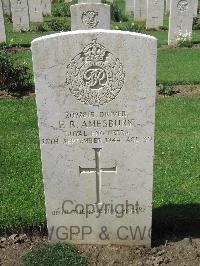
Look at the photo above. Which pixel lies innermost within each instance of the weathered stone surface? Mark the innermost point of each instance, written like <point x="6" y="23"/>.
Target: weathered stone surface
<point x="155" y="12"/>
<point x="90" y="16"/>
<point x="129" y="7"/>
<point x="46" y="7"/>
<point x="35" y="10"/>
<point x="140" y="10"/>
<point x="167" y="6"/>
<point x="89" y="1"/>
<point x="20" y="15"/>
<point x="180" y="21"/>
<point x="2" y="25"/>
<point x="95" y="93"/>
<point x="195" y="8"/>
<point x="6" y="7"/>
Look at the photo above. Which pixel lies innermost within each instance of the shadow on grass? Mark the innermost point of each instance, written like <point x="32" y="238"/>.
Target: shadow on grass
<point x="174" y="222"/>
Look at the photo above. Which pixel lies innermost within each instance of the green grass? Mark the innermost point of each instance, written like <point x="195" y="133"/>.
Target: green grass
<point x="54" y="255"/>
<point x="25" y="38"/>
<point x="177" y="156"/>
<point x="176" y="175"/>
<point x="22" y="38"/>
<point x="22" y="200"/>
<point x="178" y="66"/>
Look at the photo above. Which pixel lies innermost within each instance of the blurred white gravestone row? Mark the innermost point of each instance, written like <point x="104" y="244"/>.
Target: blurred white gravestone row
<point x="95" y="92"/>
<point x="20" y="15"/>
<point x="155" y="13"/>
<point x="35" y="11"/>
<point x="6" y="7"/>
<point x="140" y="10"/>
<point x="2" y="25"/>
<point x="90" y="16"/>
<point x="129" y="7"/>
<point x="180" y="21"/>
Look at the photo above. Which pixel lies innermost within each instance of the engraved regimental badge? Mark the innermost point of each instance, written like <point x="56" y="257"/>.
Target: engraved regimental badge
<point x="90" y="19"/>
<point x="95" y="76"/>
<point x="182" y="5"/>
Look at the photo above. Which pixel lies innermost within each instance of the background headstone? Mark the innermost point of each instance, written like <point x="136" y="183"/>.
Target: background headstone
<point x="140" y="10"/>
<point x="167" y="6"/>
<point x="180" y="21"/>
<point x="95" y="95"/>
<point x="35" y="10"/>
<point x="2" y="25"/>
<point x="90" y="16"/>
<point x="155" y="12"/>
<point x="6" y="7"/>
<point x="46" y="7"/>
<point x="20" y="15"/>
<point x="129" y="7"/>
<point x="195" y="7"/>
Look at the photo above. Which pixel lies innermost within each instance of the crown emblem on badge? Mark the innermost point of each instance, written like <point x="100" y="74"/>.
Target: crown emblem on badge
<point x="95" y="76"/>
<point x="94" y="52"/>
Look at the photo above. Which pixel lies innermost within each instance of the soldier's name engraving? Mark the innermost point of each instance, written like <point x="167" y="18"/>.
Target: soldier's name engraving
<point x="97" y="123"/>
<point x="91" y="119"/>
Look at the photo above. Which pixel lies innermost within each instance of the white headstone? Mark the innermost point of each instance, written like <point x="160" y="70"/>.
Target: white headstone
<point x="20" y="15"/>
<point x="46" y="7"/>
<point x="167" y="6"/>
<point x="195" y="7"/>
<point x="2" y="25"/>
<point x="180" y="21"/>
<point x="140" y="10"/>
<point x="129" y="7"/>
<point x="6" y="7"/>
<point x="155" y="12"/>
<point x="95" y="94"/>
<point x="90" y="16"/>
<point x="35" y="10"/>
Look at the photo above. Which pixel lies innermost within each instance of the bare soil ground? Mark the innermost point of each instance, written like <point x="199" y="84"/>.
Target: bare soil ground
<point x="181" y="90"/>
<point x="185" y="252"/>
